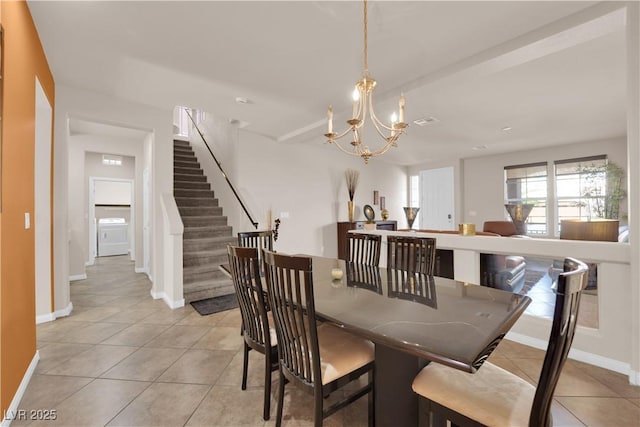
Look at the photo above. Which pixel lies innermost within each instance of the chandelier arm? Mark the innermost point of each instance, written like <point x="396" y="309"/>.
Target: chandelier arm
<point x="351" y="153"/>
<point x="336" y="137"/>
<point x="384" y="149"/>
<point x="375" y="119"/>
<point x="377" y="123"/>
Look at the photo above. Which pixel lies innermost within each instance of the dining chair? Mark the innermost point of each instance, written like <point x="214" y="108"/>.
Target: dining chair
<point x="495" y="397"/>
<point x="412" y="254"/>
<point x="364" y="248"/>
<point x="257" y="329"/>
<point x="256" y="239"/>
<point x="319" y="358"/>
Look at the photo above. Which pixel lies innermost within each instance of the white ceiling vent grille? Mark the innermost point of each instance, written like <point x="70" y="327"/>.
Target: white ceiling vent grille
<point x="426" y="121"/>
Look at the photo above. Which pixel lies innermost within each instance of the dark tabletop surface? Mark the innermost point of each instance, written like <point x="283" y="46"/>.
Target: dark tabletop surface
<point x="443" y="320"/>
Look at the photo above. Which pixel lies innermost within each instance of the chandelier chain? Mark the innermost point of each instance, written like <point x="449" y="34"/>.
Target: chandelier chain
<point x="366" y="59"/>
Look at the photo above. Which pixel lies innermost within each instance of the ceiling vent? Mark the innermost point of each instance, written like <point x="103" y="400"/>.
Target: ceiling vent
<point x="426" y="121"/>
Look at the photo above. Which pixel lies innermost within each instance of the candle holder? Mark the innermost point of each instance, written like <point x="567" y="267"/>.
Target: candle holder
<point x="411" y="214"/>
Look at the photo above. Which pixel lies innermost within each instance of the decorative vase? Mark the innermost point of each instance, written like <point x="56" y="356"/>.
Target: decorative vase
<point x="410" y="213"/>
<point x="519" y="213"/>
<point x="384" y="214"/>
<point x="352" y="210"/>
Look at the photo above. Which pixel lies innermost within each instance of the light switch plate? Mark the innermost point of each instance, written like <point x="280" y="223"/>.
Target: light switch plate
<point x="27" y="220"/>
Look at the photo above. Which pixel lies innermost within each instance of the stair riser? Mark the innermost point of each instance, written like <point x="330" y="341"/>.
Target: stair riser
<point x="180" y="143"/>
<point x="188" y="177"/>
<point x="206" y="234"/>
<point x="204" y="221"/>
<point x="189" y="260"/>
<point x="177" y="163"/>
<point x="200" y="211"/>
<point x="183" y="156"/>
<point x="187" y="171"/>
<point x="208" y="293"/>
<point x="183" y="152"/>
<point x="191" y="185"/>
<point x="203" y="275"/>
<point x="196" y="201"/>
<point x="181" y="148"/>
<point x="204" y="245"/>
<point x="180" y="192"/>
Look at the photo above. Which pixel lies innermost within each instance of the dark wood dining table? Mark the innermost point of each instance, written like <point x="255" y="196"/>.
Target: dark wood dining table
<point x="413" y="319"/>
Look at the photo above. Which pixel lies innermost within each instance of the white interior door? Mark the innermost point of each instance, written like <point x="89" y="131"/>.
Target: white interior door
<point x="437" y="205"/>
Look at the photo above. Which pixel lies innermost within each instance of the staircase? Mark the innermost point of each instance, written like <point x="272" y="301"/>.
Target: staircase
<point x="206" y="233"/>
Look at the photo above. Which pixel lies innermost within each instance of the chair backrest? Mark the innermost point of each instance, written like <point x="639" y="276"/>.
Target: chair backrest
<point x="364" y="248"/>
<point x="290" y="287"/>
<point x="412" y="254"/>
<point x="245" y="274"/>
<point x="570" y="285"/>
<point x="503" y="228"/>
<point x="256" y="239"/>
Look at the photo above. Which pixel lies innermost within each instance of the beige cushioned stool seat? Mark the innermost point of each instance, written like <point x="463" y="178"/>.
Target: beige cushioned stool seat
<point x="494" y="396"/>
<point x="341" y="352"/>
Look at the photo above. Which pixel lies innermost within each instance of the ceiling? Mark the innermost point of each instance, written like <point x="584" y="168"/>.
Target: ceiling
<point x="552" y="71"/>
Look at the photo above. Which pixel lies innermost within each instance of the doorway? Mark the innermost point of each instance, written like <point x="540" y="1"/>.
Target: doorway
<point x="437" y="205"/>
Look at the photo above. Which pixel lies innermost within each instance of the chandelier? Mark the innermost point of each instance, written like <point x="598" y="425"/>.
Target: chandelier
<point x="363" y="107"/>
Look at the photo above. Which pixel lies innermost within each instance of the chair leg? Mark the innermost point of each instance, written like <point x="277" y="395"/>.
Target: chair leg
<point x="267" y="388"/>
<point x="280" y="398"/>
<point x="245" y="366"/>
<point x="371" y="402"/>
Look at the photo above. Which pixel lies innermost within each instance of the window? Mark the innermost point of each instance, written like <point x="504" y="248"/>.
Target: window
<point x="527" y="184"/>
<point x="581" y="187"/>
<point x="111" y="160"/>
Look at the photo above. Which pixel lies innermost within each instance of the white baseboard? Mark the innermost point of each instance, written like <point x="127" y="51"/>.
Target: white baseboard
<point x="634" y="378"/>
<point x="49" y="317"/>
<point x="579" y="355"/>
<point x="12" y="411"/>
<point x="77" y="277"/>
<point x="141" y="270"/>
<point x="65" y="311"/>
<point x="44" y="318"/>
<point x="172" y="304"/>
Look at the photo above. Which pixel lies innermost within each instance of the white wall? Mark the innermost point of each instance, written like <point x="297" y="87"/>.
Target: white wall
<point x="41" y="217"/>
<point x="483" y="177"/>
<point x="304" y="180"/>
<point x="96" y="107"/>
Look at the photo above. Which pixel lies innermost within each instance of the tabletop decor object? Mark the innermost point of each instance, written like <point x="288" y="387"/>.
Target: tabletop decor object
<point x="467" y="229"/>
<point x="363" y="106"/>
<point x="410" y="213"/>
<point x="352" y="176"/>
<point x="519" y="213"/>
<point x="369" y="214"/>
<point x="383" y="209"/>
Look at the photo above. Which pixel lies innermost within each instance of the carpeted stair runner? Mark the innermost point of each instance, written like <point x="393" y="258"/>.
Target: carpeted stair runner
<point x="206" y="233"/>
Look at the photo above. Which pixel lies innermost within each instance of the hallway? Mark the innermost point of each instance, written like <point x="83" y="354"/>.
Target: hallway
<point x="123" y="359"/>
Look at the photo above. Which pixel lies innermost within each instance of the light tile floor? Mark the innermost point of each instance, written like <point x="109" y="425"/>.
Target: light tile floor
<point x="123" y="359"/>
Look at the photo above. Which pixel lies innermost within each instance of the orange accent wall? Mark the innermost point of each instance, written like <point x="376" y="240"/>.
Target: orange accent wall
<point x="24" y="59"/>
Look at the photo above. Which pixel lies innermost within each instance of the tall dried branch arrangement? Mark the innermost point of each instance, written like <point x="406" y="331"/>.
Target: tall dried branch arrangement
<point x="352" y="177"/>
